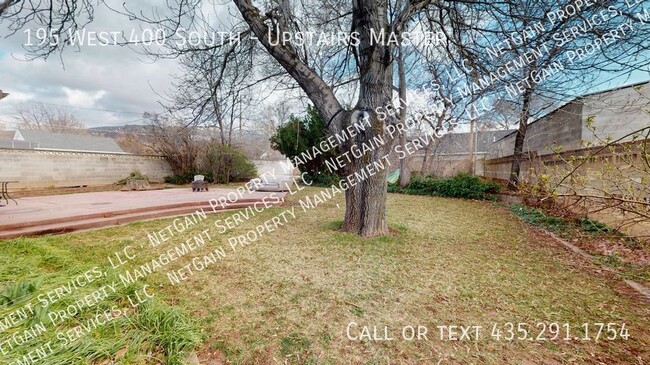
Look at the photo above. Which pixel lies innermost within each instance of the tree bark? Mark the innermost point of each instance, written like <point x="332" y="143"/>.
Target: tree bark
<point x="365" y="209"/>
<point x="520" y="138"/>
<point x="425" y="159"/>
<point x="471" y="147"/>
<point x="4" y="5"/>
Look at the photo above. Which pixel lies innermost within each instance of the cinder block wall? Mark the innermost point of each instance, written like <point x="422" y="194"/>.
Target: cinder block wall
<point x="448" y="164"/>
<point x="41" y="168"/>
<point x="562" y="127"/>
<point x="617" y="113"/>
<point x="499" y="168"/>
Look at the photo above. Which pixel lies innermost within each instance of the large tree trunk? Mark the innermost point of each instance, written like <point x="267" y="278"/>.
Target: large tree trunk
<point x="365" y="211"/>
<point x="365" y="203"/>
<point x="520" y="138"/>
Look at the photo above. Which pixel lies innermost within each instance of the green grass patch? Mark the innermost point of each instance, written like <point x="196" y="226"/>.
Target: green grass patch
<point x="290" y="296"/>
<point x="77" y="327"/>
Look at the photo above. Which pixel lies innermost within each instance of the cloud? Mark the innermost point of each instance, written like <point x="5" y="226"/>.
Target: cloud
<point x="18" y="97"/>
<point x="110" y="78"/>
<point x="82" y="98"/>
<point x="102" y="85"/>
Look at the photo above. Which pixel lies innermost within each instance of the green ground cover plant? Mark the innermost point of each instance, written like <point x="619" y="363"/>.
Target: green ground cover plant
<point x="463" y="186"/>
<point x="610" y="247"/>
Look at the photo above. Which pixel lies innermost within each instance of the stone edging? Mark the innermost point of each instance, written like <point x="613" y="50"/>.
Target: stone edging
<point x="641" y="289"/>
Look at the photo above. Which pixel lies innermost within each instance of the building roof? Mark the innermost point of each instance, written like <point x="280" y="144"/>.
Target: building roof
<point x="69" y="142"/>
<point x="7" y="135"/>
<point x="14" y="144"/>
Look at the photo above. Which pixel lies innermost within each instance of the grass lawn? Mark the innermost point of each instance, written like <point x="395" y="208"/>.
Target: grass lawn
<point x="291" y="296"/>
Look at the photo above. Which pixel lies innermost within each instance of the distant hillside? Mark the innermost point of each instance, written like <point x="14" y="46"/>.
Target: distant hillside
<point x="131" y="138"/>
<point x="121" y="130"/>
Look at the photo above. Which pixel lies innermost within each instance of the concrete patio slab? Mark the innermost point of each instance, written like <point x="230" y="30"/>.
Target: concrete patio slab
<point x="66" y="213"/>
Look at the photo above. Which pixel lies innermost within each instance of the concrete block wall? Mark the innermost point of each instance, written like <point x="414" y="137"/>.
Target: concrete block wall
<point x="446" y="165"/>
<point x="616" y="113"/>
<point x="42" y="168"/>
<point x="499" y="168"/>
<point x="562" y="127"/>
<point x="593" y="169"/>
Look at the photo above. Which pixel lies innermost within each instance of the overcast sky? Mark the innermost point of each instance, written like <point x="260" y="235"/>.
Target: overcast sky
<point x="105" y="78"/>
<point x="104" y="86"/>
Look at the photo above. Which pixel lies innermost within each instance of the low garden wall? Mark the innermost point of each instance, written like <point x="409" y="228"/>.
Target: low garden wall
<point x="46" y="168"/>
<point x="609" y="181"/>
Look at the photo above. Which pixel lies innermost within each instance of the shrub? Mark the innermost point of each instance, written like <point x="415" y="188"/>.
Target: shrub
<point x="181" y="179"/>
<point x="460" y="186"/>
<point x="422" y="186"/>
<point x="395" y="188"/>
<point x="224" y="164"/>
<point x="323" y="179"/>
<point x="135" y="175"/>
<point x="302" y="135"/>
<point x="466" y="186"/>
<point x="221" y="164"/>
<point x="178" y="140"/>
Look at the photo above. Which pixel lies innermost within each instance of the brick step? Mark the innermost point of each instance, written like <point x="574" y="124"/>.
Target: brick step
<point x="117" y="213"/>
<point x="74" y="224"/>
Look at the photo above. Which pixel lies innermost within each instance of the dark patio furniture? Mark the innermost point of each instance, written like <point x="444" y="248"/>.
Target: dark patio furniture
<point x="199" y="184"/>
<point x="4" y="191"/>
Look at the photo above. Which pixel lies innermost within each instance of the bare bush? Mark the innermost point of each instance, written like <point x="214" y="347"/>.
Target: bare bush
<point x="41" y="117"/>
<point x="175" y="140"/>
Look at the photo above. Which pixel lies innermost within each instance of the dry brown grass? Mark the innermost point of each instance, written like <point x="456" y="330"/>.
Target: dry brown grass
<point x="289" y="297"/>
